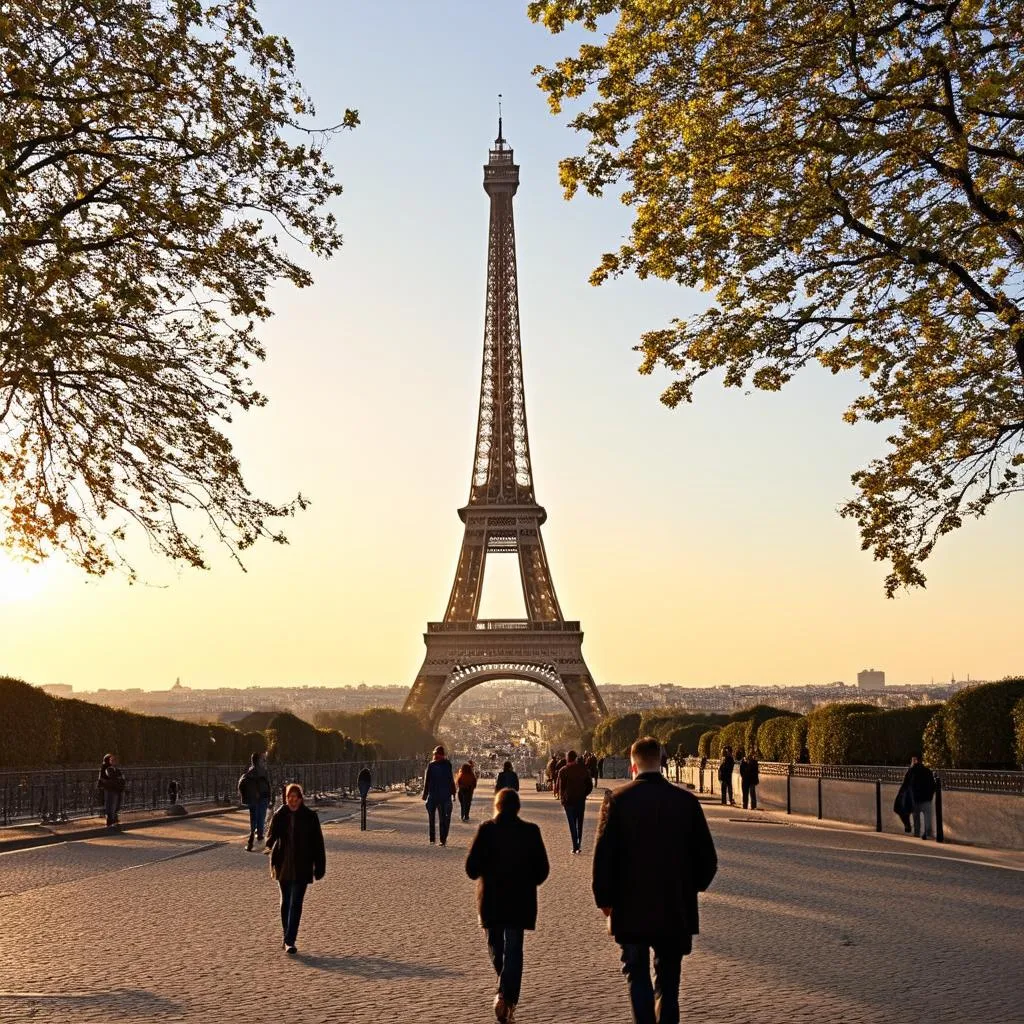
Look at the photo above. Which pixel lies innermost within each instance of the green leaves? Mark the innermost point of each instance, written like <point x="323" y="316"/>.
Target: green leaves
<point x="849" y="182"/>
<point x="149" y="155"/>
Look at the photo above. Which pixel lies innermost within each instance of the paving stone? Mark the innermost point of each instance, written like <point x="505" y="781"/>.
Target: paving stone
<point x="802" y="924"/>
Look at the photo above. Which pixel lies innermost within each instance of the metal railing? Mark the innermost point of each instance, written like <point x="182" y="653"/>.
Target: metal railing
<point x="57" y="795"/>
<point x="966" y="779"/>
<point x="503" y="624"/>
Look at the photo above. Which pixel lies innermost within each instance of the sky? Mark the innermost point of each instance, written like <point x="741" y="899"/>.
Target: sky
<point x="698" y="546"/>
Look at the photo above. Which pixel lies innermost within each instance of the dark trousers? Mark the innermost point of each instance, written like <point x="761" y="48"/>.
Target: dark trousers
<point x="506" y="948"/>
<point x="443" y="810"/>
<point x="657" y="1004"/>
<point x="292" y="895"/>
<point x="257" y="816"/>
<point x="749" y="793"/>
<point x="574" y="812"/>
<point x="111" y="805"/>
<point x="726" y="789"/>
<point x="465" y="800"/>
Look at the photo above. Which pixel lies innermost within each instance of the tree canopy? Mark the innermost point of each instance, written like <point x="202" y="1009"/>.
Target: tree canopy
<point x="847" y="178"/>
<point x="152" y="154"/>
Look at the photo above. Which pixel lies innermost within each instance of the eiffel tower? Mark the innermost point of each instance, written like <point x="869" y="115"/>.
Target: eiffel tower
<point x="503" y="517"/>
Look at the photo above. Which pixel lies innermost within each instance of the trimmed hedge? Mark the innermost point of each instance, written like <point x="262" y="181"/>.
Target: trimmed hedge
<point x="38" y="730"/>
<point x="615" y="734"/>
<point x="683" y="741"/>
<point x="1018" y="731"/>
<point x="979" y="727"/>
<point x="731" y="735"/>
<point x="704" y="744"/>
<point x="797" y="738"/>
<point x="888" y="737"/>
<point x="756" y="717"/>
<point x="774" y="738"/>
<point x="828" y="736"/>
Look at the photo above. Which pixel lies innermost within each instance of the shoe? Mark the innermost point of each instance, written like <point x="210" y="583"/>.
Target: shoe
<point x="431" y="842"/>
<point x="443" y="843"/>
<point x="907" y="830"/>
<point x="500" y="1008"/>
<point x="510" y="1019"/>
<point x="291" y="950"/>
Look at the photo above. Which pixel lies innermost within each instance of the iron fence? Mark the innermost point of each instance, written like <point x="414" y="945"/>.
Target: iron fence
<point x="968" y="780"/>
<point x="56" y="794"/>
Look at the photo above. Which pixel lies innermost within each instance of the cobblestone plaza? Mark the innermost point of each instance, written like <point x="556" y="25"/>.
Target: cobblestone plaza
<point x="179" y="923"/>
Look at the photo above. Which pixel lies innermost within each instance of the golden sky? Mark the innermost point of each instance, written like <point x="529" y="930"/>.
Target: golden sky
<point x="696" y="546"/>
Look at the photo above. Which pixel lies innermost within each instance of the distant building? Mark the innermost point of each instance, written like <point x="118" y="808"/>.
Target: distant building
<point x="57" y="689"/>
<point x="870" y="680"/>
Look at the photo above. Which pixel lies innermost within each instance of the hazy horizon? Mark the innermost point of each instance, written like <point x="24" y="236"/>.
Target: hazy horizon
<point x="700" y="543"/>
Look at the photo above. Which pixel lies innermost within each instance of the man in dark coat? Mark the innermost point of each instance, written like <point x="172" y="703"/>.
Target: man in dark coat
<point x="652" y="856"/>
<point x="295" y="842"/>
<point x="920" y="783"/>
<point x="112" y="785"/>
<point x="725" y="767"/>
<point x="254" y="789"/>
<point x="507" y="778"/>
<point x="438" y="790"/>
<point x="574" y="786"/>
<point x="509" y="861"/>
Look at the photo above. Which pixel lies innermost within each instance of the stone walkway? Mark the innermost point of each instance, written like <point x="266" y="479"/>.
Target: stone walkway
<point x="802" y="924"/>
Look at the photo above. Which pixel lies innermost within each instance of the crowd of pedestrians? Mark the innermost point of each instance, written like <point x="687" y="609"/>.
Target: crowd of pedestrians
<point x="653" y="855"/>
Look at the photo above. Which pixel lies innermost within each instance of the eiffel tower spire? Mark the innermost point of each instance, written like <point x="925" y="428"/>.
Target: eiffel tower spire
<point x="502" y="515"/>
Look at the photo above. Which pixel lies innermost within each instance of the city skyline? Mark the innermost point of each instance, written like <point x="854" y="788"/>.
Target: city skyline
<point x="696" y="544"/>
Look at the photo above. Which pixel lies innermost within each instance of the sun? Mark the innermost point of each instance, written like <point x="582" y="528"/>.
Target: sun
<point x="21" y="581"/>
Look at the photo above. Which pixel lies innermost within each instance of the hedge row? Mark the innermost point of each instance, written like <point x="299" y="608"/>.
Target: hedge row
<point x="397" y="733"/>
<point x="37" y="729"/>
<point x="979" y="727"/>
<point x="683" y="733"/>
<point x="1018" y="731"/>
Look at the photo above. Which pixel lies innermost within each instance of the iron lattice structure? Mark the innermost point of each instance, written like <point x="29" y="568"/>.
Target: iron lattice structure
<point x="502" y="516"/>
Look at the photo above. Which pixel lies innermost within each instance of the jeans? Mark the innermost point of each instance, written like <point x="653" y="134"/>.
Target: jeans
<point x="443" y="809"/>
<point x="111" y="805"/>
<point x="574" y="812"/>
<point x="257" y="817"/>
<point x="506" y="948"/>
<point x="465" y="800"/>
<point x="749" y="794"/>
<point x="660" y="1004"/>
<point x="926" y="809"/>
<point x="726" y="789"/>
<point x="292" y="895"/>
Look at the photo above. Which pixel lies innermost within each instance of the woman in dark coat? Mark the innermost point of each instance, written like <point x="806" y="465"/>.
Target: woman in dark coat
<point x="295" y="842"/>
<point x="509" y="861"/>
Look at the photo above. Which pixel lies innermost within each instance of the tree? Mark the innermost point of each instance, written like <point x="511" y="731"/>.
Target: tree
<point x="847" y="177"/>
<point x="151" y="154"/>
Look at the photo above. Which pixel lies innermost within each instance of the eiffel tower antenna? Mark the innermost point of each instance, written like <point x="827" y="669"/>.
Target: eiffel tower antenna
<point x="502" y="515"/>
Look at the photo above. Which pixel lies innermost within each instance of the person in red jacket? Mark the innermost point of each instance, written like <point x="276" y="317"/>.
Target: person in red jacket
<point x="465" y="783"/>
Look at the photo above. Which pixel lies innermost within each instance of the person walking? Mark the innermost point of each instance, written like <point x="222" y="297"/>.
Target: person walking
<point x="920" y="781"/>
<point x="111" y="782"/>
<point x="465" y="784"/>
<point x="574" y="786"/>
<point x="507" y="778"/>
<point x="590" y="763"/>
<point x="508" y="862"/>
<point x="725" y="767"/>
<point x="550" y="770"/>
<point x="255" y="791"/>
<point x="653" y="855"/>
<point x="295" y="842"/>
<point x="438" y="790"/>
<point x="560" y="763"/>
<point x="750" y="776"/>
